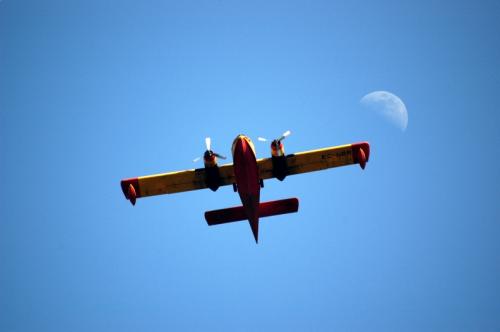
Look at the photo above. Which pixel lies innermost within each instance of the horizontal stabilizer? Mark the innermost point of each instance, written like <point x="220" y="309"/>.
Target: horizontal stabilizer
<point x="266" y="209"/>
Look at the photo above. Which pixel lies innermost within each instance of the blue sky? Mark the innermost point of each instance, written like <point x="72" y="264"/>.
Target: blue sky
<point x="92" y="92"/>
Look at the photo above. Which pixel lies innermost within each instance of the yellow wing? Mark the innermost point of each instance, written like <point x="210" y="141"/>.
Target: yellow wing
<point x="316" y="160"/>
<point x="173" y="182"/>
<point x="193" y="179"/>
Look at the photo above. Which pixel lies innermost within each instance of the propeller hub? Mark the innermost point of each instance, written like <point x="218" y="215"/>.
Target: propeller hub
<point x="209" y="156"/>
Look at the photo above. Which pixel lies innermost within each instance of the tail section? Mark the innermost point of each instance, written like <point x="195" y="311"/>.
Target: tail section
<point x="266" y="209"/>
<point x="282" y="206"/>
<point x="254" y="226"/>
<point x="237" y="213"/>
<point x="223" y="216"/>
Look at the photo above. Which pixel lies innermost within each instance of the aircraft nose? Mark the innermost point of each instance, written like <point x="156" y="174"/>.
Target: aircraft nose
<point x="240" y="145"/>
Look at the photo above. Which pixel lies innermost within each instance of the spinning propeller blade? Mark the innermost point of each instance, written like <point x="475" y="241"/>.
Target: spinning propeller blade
<point x="285" y="135"/>
<point x="208" y="145"/>
<point x="208" y="142"/>
<point x="219" y="156"/>
<point x="282" y="137"/>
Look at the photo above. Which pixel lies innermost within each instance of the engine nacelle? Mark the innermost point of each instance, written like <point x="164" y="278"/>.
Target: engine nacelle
<point x="280" y="167"/>
<point x="212" y="175"/>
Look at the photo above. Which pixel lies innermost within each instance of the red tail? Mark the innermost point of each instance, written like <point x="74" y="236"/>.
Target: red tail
<point x="266" y="209"/>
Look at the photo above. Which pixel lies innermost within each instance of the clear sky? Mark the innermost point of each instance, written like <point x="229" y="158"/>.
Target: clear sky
<point x="95" y="91"/>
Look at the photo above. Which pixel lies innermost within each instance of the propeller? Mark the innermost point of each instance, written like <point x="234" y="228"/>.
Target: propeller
<point x="285" y="135"/>
<point x="282" y="137"/>
<point x="219" y="155"/>
<point x="208" y="144"/>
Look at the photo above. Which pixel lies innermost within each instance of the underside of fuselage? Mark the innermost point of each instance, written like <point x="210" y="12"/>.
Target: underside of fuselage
<point x="246" y="173"/>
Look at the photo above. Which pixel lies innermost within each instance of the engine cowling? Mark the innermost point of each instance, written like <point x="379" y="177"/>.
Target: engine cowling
<point x="280" y="167"/>
<point x="212" y="175"/>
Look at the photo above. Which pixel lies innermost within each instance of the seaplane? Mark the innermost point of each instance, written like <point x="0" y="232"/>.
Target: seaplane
<point x="247" y="174"/>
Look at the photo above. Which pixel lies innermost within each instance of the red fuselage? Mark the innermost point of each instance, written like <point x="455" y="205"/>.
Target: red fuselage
<point x="246" y="173"/>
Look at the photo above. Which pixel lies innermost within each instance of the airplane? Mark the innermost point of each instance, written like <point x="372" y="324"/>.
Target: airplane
<point x="247" y="174"/>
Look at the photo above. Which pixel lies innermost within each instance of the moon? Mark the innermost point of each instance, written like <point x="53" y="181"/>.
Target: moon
<point x="389" y="106"/>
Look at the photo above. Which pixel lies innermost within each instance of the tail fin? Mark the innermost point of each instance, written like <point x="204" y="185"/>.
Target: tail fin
<point x="266" y="209"/>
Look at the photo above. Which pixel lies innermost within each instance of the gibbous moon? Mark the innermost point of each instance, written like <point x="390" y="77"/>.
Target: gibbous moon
<point x="389" y="106"/>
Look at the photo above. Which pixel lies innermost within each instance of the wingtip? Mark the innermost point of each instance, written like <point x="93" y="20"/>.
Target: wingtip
<point x="131" y="189"/>
<point x="361" y="153"/>
<point x="132" y="194"/>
